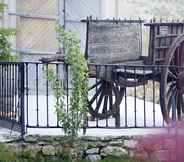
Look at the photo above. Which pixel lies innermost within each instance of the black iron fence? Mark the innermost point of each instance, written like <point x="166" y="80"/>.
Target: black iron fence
<point x="12" y="96"/>
<point x="120" y="96"/>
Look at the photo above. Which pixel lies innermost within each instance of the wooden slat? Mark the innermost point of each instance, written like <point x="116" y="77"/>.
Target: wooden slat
<point x="164" y="24"/>
<point x="166" y="36"/>
<point x="110" y="42"/>
<point x="162" y="47"/>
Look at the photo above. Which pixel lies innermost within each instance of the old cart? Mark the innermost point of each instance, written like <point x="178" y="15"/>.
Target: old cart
<point x="119" y="43"/>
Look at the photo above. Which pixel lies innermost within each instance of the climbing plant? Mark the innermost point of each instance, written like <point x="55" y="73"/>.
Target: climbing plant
<point x="72" y="119"/>
<point x="5" y="33"/>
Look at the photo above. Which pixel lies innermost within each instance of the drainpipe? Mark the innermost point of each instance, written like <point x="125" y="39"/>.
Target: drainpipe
<point x="64" y="13"/>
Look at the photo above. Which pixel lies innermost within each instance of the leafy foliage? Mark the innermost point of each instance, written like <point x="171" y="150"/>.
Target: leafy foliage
<point x="6" y="155"/>
<point x="5" y="33"/>
<point x="73" y="118"/>
<point x="3" y="6"/>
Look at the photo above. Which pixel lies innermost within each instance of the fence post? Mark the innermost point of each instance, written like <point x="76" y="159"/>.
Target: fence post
<point x="21" y="95"/>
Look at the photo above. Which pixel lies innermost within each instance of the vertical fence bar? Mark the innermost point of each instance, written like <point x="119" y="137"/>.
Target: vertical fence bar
<point x="5" y="105"/>
<point x="153" y="70"/>
<point x="16" y="90"/>
<point x="135" y="100"/>
<point x="21" y="76"/>
<point x="96" y="72"/>
<point x="19" y="71"/>
<point x="6" y="91"/>
<point x="47" y="95"/>
<point x="27" y="95"/>
<point x="57" y="99"/>
<point x="11" y="95"/>
<point x="105" y="97"/>
<point x="13" y="90"/>
<point x="67" y="88"/>
<point x="1" y="89"/>
<point x="37" y="108"/>
<point x="117" y="119"/>
<point x="126" y="121"/>
<point x="144" y="98"/>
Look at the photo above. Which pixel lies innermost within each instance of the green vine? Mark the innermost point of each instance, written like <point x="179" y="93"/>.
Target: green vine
<point x="5" y="33"/>
<point x="72" y="119"/>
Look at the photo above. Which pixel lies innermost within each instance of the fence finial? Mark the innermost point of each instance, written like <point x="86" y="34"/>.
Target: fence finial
<point x="154" y="19"/>
<point x="90" y="17"/>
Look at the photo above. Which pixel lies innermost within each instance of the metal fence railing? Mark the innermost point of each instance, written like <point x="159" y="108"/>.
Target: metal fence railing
<point x="120" y="96"/>
<point x="12" y="96"/>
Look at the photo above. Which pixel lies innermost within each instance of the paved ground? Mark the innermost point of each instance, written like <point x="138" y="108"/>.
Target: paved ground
<point x="7" y="135"/>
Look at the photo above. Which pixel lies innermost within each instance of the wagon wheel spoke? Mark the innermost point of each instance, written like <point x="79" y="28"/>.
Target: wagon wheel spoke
<point x="171" y="74"/>
<point x="95" y="85"/>
<point x="96" y="94"/>
<point x="104" y="111"/>
<point x="107" y="96"/>
<point x="99" y="102"/>
<point x="110" y="100"/>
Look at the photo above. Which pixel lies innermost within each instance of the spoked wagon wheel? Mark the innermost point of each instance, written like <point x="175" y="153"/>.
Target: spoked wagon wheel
<point x="105" y="99"/>
<point x="172" y="81"/>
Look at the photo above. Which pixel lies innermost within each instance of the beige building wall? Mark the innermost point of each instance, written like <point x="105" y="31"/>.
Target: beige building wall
<point x="34" y="21"/>
<point x="148" y="9"/>
<point x="36" y="26"/>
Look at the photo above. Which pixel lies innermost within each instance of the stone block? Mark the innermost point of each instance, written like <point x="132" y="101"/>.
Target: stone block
<point x="131" y="144"/>
<point x="92" y="151"/>
<point x="114" y="151"/>
<point x="49" y="150"/>
<point x="93" y="158"/>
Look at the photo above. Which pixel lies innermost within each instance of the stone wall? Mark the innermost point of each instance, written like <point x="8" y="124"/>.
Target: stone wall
<point x="96" y="148"/>
<point x="92" y="148"/>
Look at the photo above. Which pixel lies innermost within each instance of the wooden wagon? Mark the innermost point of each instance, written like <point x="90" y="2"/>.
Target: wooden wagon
<point x="112" y="44"/>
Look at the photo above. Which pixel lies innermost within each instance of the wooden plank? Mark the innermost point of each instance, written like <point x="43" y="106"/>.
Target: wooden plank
<point x="162" y="47"/>
<point x="166" y="36"/>
<point x="113" y="42"/>
<point x="164" y="23"/>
